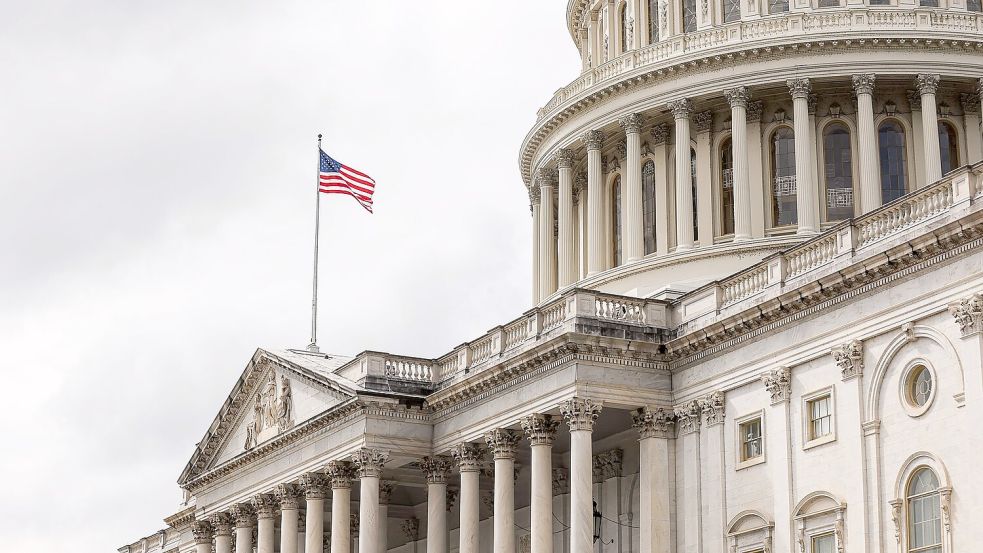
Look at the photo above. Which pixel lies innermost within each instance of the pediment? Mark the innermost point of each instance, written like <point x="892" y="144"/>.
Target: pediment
<point x="277" y="392"/>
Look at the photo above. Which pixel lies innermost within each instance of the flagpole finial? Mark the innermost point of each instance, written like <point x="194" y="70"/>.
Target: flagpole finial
<point x="319" y="139"/>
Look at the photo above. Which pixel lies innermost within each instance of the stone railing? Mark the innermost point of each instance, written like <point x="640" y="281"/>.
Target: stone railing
<point x="814" y="253"/>
<point x="409" y="368"/>
<point x="905" y="212"/>
<point x="744" y="284"/>
<point x="794" y="26"/>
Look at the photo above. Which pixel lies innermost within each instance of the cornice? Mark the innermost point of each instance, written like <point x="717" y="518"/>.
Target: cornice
<point x="181" y="519"/>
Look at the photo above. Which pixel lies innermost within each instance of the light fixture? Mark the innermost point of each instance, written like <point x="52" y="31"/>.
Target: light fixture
<point x="597" y="523"/>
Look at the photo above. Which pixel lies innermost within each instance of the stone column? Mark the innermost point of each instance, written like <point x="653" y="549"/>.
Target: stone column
<point x="870" y="179"/>
<point x="222" y="523"/>
<point x="341" y="474"/>
<point x="436" y="469"/>
<point x="712" y="488"/>
<point x="385" y="494"/>
<point x="547" y="240"/>
<point x="703" y="125"/>
<point x="302" y="530"/>
<point x="755" y="170"/>
<point x="971" y="125"/>
<point x="265" y="506"/>
<point x="565" y="243"/>
<point x="655" y="428"/>
<point x="469" y="457"/>
<point x="681" y="110"/>
<point x="534" y="207"/>
<point x="928" y="85"/>
<point x="738" y="99"/>
<point x="633" y="240"/>
<point x="502" y="443"/>
<point x="688" y="500"/>
<point x="368" y="465"/>
<point x="243" y="517"/>
<point x="580" y="415"/>
<point x="660" y="146"/>
<point x="916" y="165"/>
<point x="541" y="432"/>
<point x="288" y="496"/>
<point x="777" y="431"/>
<point x="805" y="186"/>
<point x="202" y="531"/>
<point x="580" y="198"/>
<point x="595" y="203"/>
<point x="315" y="486"/>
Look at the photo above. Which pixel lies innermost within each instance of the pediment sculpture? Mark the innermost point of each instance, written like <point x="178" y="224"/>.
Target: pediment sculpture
<point x="272" y="411"/>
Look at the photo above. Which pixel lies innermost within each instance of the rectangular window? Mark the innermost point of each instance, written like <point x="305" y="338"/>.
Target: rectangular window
<point x="929" y="3"/>
<point x="689" y="16"/>
<point x="751" y="440"/>
<point x="820" y="417"/>
<point x="825" y="543"/>
<point x="829" y="3"/>
<point x="777" y="6"/>
<point x="880" y="2"/>
<point x="732" y="10"/>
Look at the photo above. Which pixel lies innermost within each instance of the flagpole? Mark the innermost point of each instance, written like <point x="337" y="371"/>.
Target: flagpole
<point x="317" y="225"/>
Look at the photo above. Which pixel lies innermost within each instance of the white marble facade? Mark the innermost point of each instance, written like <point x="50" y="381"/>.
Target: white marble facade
<point x="710" y="364"/>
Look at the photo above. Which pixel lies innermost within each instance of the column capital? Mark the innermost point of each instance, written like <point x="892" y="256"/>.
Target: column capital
<point x="564" y="158"/>
<point x="540" y="429"/>
<point x="712" y="408"/>
<point x="469" y="456"/>
<point x="353" y="526"/>
<point x="607" y="465"/>
<point x="202" y="531"/>
<point x="561" y="481"/>
<point x="315" y="485"/>
<point x="864" y="83"/>
<point x="386" y="489"/>
<point x="451" y="497"/>
<point x="968" y="313"/>
<point x="652" y="423"/>
<point x="849" y="357"/>
<point x="242" y="515"/>
<point x="754" y="110"/>
<point x="681" y="108"/>
<point x="436" y="468"/>
<point x="914" y="100"/>
<point x="545" y="176"/>
<point x="288" y="496"/>
<point x="738" y="96"/>
<point x="660" y="134"/>
<point x="222" y="523"/>
<point x="534" y="196"/>
<point x="502" y="442"/>
<point x="632" y="123"/>
<point x="800" y="88"/>
<point x="927" y="83"/>
<point x="687" y="416"/>
<point x="341" y="474"/>
<point x="779" y="384"/>
<point x="593" y="139"/>
<point x="703" y="121"/>
<point x="264" y="504"/>
<point x="368" y="462"/>
<point x="970" y="103"/>
<point x="411" y="528"/>
<point x="580" y="414"/>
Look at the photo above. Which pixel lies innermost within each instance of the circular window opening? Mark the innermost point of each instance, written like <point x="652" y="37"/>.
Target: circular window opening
<point x="918" y="389"/>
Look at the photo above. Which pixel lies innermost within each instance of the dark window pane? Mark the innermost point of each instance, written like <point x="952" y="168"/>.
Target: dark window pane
<point x="783" y="204"/>
<point x="777" y="6"/>
<point x="974" y="5"/>
<point x="648" y="205"/>
<point x="727" y="187"/>
<point x="732" y="10"/>
<point x="692" y="179"/>
<point x="838" y="172"/>
<point x="894" y="170"/>
<point x="689" y="16"/>
<point x="616" y="219"/>
<point x="948" y="147"/>
<point x="653" y="21"/>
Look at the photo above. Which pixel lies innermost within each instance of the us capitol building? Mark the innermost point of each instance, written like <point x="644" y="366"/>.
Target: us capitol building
<point x="756" y="326"/>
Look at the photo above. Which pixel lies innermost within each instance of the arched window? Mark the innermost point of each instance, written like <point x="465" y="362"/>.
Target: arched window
<point x="653" y="21"/>
<point x="732" y="10"/>
<point x="948" y="147"/>
<point x="689" y="16"/>
<point x="838" y="172"/>
<point x="777" y="6"/>
<point x="648" y="205"/>
<point x="783" y="206"/>
<point x="616" y="218"/>
<point x="894" y="162"/>
<point x="625" y="28"/>
<point x="692" y="180"/>
<point x="924" y="512"/>
<point x="726" y="187"/>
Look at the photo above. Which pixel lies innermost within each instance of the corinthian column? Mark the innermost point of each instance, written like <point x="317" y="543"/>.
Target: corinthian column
<point x="368" y="464"/>
<point x="655" y="427"/>
<point x="502" y="444"/>
<point x="242" y="515"/>
<point x="595" y="203"/>
<point x="468" y="457"/>
<point x="806" y="191"/>
<point x="547" y="240"/>
<point x="927" y="86"/>
<point x="580" y="415"/>
<point x="738" y="98"/>
<point x="222" y="523"/>
<point x="870" y="180"/>
<point x="436" y="469"/>
<point x="633" y="236"/>
<point x="315" y="491"/>
<point x="202" y="531"/>
<point x="265" y="506"/>
<point x="681" y="110"/>
<point x="385" y="494"/>
<point x="541" y="431"/>
<point x="341" y="474"/>
<point x="288" y="496"/>
<point x="565" y="242"/>
<point x="534" y="207"/>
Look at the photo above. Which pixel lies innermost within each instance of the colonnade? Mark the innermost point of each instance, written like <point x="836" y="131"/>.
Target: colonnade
<point x="557" y="262"/>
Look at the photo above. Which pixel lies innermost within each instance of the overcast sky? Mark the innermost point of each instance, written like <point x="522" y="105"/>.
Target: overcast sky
<point x="156" y="218"/>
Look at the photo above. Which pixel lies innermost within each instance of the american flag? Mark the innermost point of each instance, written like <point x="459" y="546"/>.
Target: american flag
<point x="336" y="178"/>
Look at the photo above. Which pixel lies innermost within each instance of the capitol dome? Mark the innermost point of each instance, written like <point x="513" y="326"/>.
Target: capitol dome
<point x="783" y="118"/>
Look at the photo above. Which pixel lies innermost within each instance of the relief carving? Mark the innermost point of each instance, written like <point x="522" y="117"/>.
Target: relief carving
<point x="272" y="411"/>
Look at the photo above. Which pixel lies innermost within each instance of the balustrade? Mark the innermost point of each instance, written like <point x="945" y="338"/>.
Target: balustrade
<point x="810" y="255"/>
<point x="407" y="368"/>
<point x="744" y="285"/>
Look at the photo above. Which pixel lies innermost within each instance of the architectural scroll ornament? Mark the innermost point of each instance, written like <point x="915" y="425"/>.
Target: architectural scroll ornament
<point x="754" y="110"/>
<point x="703" y="121"/>
<point x="564" y="158"/>
<point x="369" y="462"/>
<point x="896" y="517"/>
<point x="202" y="531"/>
<point x="680" y="108"/>
<point x="970" y="103"/>
<point x="264" y="504"/>
<point x="779" y="384"/>
<point x="502" y="443"/>
<point x="799" y="88"/>
<point x="580" y="414"/>
<point x="436" y="468"/>
<point x="341" y="474"/>
<point x="272" y="411"/>
<point x="540" y="429"/>
<point x="687" y="417"/>
<point x="864" y="83"/>
<point x="738" y="97"/>
<point x="242" y="515"/>
<point x="712" y="408"/>
<point x="631" y="123"/>
<point x="287" y="496"/>
<point x="222" y="523"/>
<point x="468" y="456"/>
<point x="968" y="313"/>
<point x="652" y="423"/>
<point x="850" y="359"/>
<point x="593" y="139"/>
<point x="927" y="83"/>
<point x="315" y="485"/>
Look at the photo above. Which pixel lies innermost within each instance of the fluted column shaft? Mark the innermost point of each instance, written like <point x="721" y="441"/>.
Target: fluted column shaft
<point x="502" y="444"/>
<point x="595" y="203"/>
<point x="547" y="241"/>
<point x="566" y="253"/>
<point x="655" y="427"/>
<point x="203" y="533"/>
<point x="738" y="98"/>
<point x="341" y="474"/>
<point x="289" y="498"/>
<point x="681" y="110"/>
<point x="541" y="431"/>
<point x="315" y="490"/>
<point x="927" y="87"/>
<point x="536" y="268"/>
<point x="632" y="236"/>
<point x="870" y="185"/>
<point x="223" y="538"/>
<point x="436" y="469"/>
<point x="805" y="194"/>
<point x="580" y="415"/>
<point x="469" y="457"/>
<point x="242" y="514"/>
<point x="265" y="507"/>
<point x="368" y="465"/>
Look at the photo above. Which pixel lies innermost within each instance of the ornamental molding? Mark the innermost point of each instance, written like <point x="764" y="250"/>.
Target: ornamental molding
<point x="288" y="496"/>
<point x="315" y="485"/>
<point x="264" y="505"/>
<point x="181" y="519"/>
<point x="968" y="313"/>
<point x="712" y="408"/>
<point x="436" y="468"/>
<point x="849" y="357"/>
<point x="607" y="465"/>
<point x="864" y="83"/>
<point x="681" y="108"/>
<point x="580" y="413"/>
<point x="799" y="88"/>
<point x="502" y="442"/>
<point x="593" y="140"/>
<point x="778" y="383"/>
<point x="340" y="474"/>
<point x="540" y="429"/>
<point x="632" y="123"/>
<point x="468" y="456"/>
<point x="653" y="423"/>
<point x="687" y="417"/>
<point x="927" y="83"/>
<point x="368" y="462"/>
<point x="738" y="97"/>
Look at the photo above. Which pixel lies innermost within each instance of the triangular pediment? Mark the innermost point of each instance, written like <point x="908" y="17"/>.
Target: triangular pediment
<point x="278" y="391"/>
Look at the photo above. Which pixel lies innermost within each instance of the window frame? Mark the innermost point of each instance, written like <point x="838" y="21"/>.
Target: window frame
<point x="739" y="423"/>
<point x="808" y="441"/>
<point x="616" y="216"/>
<point x="954" y="148"/>
<point x="907" y="373"/>
<point x="907" y="141"/>
<point x="653" y="237"/>
<point x="819" y="535"/>
<point x="724" y="148"/>
<point x="772" y="168"/>
<point x="824" y="128"/>
<point x="906" y="508"/>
